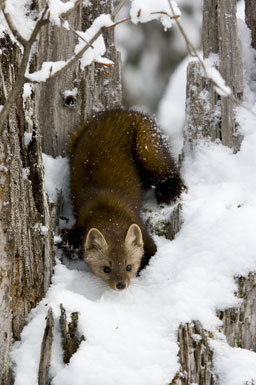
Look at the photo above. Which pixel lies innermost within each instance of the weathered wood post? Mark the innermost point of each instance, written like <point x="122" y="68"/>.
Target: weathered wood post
<point x="26" y="234"/>
<point x="52" y="110"/>
<point x="250" y="18"/>
<point x="213" y="117"/>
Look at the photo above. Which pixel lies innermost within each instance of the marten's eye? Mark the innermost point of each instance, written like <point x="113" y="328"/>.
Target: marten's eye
<point x="107" y="270"/>
<point x="128" y="268"/>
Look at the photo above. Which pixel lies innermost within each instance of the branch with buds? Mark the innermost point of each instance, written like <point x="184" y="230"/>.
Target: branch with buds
<point x="42" y="20"/>
<point x="57" y="68"/>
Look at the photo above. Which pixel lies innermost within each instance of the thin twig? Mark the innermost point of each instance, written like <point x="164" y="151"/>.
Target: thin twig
<point x="129" y="19"/>
<point x="117" y="9"/>
<point x="72" y="60"/>
<point x="193" y="52"/>
<point x="104" y="64"/>
<point x="166" y="14"/>
<point x="75" y="32"/>
<point x="90" y="42"/>
<point x="84" y="49"/>
<point x="117" y="23"/>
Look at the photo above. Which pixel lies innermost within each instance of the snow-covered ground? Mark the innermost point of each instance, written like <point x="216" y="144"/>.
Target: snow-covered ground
<point x="131" y="337"/>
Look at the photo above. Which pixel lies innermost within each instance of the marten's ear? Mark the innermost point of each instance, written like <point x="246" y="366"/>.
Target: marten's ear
<point x="95" y="240"/>
<point x="134" y="236"/>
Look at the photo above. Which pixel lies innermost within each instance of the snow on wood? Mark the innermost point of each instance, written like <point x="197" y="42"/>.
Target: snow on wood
<point x="27" y="256"/>
<point x="132" y="336"/>
<point x="58" y="7"/>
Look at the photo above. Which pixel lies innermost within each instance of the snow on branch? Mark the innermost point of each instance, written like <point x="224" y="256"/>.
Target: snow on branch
<point x="54" y="11"/>
<point x="96" y="52"/>
<point x="58" y="9"/>
<point x="48" y="69"/>
<point x="219" y="83"/>
<point x="90" y="48"/>
<point x="143" y="11"/>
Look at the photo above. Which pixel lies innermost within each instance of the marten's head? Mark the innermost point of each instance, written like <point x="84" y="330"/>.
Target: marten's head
<point x="115" y="261"/>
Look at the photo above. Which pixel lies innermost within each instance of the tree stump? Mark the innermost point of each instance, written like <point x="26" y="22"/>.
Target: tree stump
<point x="26" y="234"/>
<point x="46" y="349"/>
<point x="211" y="116"/>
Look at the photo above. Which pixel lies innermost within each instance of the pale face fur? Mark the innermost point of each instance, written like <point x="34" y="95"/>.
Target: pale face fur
<point x="114" y="263"/>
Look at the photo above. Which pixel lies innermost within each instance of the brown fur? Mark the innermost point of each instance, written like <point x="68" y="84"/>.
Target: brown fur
<point x="113" y="156"/>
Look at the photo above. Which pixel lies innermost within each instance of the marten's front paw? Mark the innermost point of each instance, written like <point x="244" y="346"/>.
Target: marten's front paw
<point x="169" y="189"/>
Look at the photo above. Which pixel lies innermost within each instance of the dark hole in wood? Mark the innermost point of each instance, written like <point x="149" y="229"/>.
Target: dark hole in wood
<point x="70" y="101"/>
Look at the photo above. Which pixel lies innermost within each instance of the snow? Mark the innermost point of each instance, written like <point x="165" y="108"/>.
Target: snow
<point x="72" y="92"/>
<point x="240" y="361"/>
<point x="171" y="113"/>
<point x="56" y="176"/>
<point x="92" y="54"/>
<point x="98" y="48"/>
<point x="58" y="7"/>
<point x="144" y="11"/>
<point x="220" y="86"/>
<point x="27" y="90"/>
<point x="48" y="69"/>
<point x="56" y="182"/>
<point x="131" y="336"/>
<point x="21" y="16"/>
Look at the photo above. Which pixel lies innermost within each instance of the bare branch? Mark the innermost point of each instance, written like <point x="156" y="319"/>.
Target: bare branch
<point x="88" y="45"/>
<point x="76" y="33"/>
<point x="118" y="22"/>
<point x="73" y="59"/>
<point x="117" y="9"/>
<point x="13" y="29"/>
<point x="166" y="14"/>
<point x="129" y="19"/>
<point x="104" y="64"/>
<point x="21" y="79"/>
<point x="40" y="22"/>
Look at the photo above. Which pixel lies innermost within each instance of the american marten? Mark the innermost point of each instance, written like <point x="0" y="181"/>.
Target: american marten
<point x="114" y="156"/>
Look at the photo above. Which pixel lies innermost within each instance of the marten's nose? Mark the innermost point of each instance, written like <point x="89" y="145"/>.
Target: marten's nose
<point x="121" y="285"/>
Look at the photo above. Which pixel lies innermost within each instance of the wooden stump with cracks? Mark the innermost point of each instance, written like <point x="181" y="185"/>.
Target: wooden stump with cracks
<point x="70" y="338"/>
<point x="46" y="349"/>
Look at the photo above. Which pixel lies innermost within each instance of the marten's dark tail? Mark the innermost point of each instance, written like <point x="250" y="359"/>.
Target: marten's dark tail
<point x="156" y="163"/>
